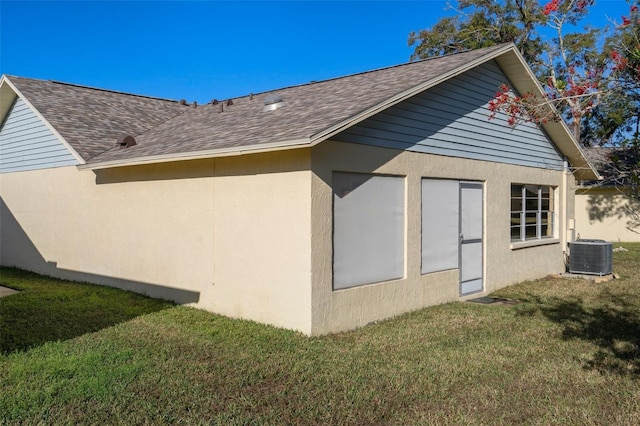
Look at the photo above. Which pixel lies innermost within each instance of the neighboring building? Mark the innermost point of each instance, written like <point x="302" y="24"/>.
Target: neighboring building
<point x="319" y="207"/>
<point x="604" y="209"/>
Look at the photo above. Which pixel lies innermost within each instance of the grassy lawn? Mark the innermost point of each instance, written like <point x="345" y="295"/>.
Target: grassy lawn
<point x="80" y="354"/>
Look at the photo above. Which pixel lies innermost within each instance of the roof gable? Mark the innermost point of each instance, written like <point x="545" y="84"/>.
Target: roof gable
<point x="312" y="113"/>
<point x="27" y="143"/>
<point x="452" y="119"/>
<point x="92" y="120"/>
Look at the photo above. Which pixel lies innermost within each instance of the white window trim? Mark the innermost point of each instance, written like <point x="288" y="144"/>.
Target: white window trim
<point x="534" y="243"/>
<point x="539" y="240"/>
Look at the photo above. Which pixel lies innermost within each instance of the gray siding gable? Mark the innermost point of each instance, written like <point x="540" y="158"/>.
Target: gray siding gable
<point x="27" y="143"/>
<point x="452" y="119"/>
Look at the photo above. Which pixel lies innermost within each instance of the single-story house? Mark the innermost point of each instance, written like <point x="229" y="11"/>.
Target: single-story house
<point x="320" y="207"/>
<point x="604" y="208"/>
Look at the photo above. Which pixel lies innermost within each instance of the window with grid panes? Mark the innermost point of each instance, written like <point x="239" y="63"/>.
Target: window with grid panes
<point x="532" y="212"/>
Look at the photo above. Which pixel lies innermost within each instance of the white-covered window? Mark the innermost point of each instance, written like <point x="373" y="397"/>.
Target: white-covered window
<point x="532" y="212"/>
<point x="440" y="224"/>
<point x="368" y="228"/>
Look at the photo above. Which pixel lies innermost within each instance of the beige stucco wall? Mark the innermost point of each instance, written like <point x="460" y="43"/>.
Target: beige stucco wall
<point x="601" y="213"/>
<point x="230" y="235"/>
<point x="344" y="309"/>
<point x="262" y="247"/>
<point x="115" y="232"/>
<point x="251" y="236"/>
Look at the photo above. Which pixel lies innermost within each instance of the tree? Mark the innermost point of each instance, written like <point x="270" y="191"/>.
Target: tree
<point x="625" y="54"/>
<point x="482" y="23"/>
<point x="603" y="88"/>
<point x="571" y="66"/>
<point x="596" y="90"/>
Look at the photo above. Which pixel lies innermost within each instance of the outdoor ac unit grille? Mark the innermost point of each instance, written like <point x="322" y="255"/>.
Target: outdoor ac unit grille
<point x="591" y="257"/>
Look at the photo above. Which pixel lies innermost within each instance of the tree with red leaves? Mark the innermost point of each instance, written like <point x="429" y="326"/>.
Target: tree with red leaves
<point x="584" y="88"/>
<point x="572" y="72"/>
<point x="573" y="65"/>
<point x="602" y="88"/>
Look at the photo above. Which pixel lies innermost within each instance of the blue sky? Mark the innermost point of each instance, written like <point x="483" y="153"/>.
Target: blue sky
<point x="200" y="50"/>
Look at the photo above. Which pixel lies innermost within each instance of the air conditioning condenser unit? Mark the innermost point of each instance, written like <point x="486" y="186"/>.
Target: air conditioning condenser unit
<point x="593" y="257"/>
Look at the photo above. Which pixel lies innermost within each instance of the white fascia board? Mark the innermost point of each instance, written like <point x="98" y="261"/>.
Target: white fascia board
<point x="199" y="155"/>
<point x="583" y="169"/>
<point x="337" y="128"/>
<point x="6" y="81"/>
<point x="558" y="131"/>
<point x="7" y="98"/>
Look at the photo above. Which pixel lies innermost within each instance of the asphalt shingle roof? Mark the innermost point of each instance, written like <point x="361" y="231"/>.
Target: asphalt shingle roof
<point x="91" y="120"/>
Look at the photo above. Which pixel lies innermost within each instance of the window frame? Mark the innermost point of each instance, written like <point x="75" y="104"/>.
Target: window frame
<point x="530" y="207"/>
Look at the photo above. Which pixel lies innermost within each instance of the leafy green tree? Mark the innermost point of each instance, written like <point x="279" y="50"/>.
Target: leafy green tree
<point x="482" y="23"/>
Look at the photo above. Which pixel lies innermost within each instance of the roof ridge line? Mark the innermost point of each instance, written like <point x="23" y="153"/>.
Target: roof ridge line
<point x="372" y="70"/>
<point x="108" y="90"/>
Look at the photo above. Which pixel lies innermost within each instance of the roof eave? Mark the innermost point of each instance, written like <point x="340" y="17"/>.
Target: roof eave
<point x="7" y="97"/>
<point x="199" y="155"/>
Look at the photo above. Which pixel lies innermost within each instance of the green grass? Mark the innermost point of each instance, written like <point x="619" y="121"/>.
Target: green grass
<point x="568" y="354"/>
<point x="47" y="309"/>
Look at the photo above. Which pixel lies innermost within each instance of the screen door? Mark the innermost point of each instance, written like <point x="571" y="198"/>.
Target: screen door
<point x="471" y="231"/>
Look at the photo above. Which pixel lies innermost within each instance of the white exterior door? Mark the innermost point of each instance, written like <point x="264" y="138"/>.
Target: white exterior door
<point x="471" y="238"/>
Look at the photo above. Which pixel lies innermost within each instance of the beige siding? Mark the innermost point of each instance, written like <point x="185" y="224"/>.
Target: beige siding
<point x="251" y="236"/>
<point x="149" y="235"/>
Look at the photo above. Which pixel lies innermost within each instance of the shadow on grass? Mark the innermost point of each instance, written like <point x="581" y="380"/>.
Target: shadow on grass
<point x="48" y="309"/>
<point x="613" y="325"/>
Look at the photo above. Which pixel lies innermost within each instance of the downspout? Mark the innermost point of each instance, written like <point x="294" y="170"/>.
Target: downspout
<point x="567" y="224"/>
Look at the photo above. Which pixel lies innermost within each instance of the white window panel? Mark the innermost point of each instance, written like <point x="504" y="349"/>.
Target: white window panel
<point x="532" y="212"/>
<point x="472" y="261"/>
<point x="368" y="229"/>
<point x="471" y="199"/>
<point x="440" y="225"/>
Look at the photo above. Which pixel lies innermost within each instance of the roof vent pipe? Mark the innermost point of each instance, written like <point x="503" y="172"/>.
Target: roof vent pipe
<point x="272" y="102"/>
<point x="125" y="141"/>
